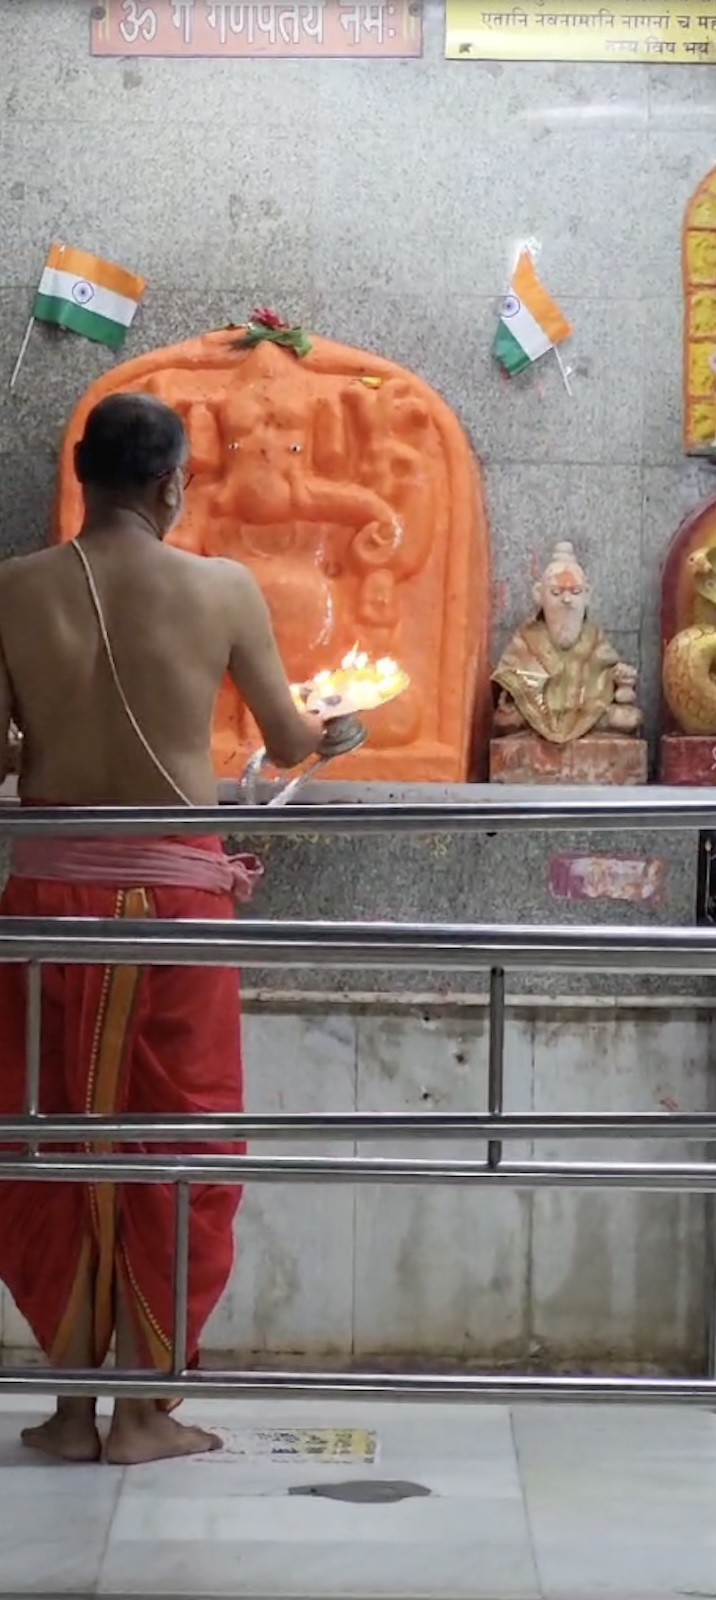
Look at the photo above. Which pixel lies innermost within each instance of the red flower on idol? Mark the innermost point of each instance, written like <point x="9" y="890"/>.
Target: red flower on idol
<point x="268" y="318"/>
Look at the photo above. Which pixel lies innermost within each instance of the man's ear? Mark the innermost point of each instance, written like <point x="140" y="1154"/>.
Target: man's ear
<point x="170" y="491"/>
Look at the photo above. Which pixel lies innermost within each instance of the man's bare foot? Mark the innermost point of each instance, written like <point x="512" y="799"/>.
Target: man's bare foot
<point x="68" y="1438"/>
<point x="144" y="1434"/>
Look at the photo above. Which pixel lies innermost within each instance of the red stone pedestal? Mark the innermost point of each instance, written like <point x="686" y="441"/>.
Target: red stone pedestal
<point x="688" y="758"/>
<point x="598" y="758"/>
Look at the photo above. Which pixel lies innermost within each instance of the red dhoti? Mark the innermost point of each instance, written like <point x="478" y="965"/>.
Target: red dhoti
<point x="120" y="1039"/>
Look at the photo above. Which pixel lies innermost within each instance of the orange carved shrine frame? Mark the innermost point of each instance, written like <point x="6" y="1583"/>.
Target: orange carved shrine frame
<point x="348" y="487"/>
<point x="699" y="361"/>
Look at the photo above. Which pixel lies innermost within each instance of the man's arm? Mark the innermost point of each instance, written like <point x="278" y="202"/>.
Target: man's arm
<point x="9" y="761"/>
<point x="257" y="670"/>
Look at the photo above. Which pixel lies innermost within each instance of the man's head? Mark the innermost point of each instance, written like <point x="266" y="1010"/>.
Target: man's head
<point x="562" y="595"/>
<point x="133" y="456"/>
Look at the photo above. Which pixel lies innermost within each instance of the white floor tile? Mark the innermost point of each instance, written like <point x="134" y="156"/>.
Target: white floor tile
<point x="51" y="1566"/>
<point x="26" y="1473"/>
<point x="620" y="1500"/>
<point x="595" y="1503"/>
<point x="501" y="1569"/>
<point x="193" y="1525"/>
<point x="55" y="1519"/>
<point x="644" y="1561"/>
<point x="303" y="1520"/>
<point x="34" y="1479"/>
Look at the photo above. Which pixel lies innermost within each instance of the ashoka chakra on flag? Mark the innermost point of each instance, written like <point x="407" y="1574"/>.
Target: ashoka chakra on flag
<point x="82" y="292"/>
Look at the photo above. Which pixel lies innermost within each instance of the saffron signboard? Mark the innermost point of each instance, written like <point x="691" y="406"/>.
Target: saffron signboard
<point x="220" y="28"/>
<point x="570" y="30"/>
<point x="633" y="878"/>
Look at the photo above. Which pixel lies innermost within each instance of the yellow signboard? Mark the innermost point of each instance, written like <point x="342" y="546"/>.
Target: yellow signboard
<point x="298" y="1446"/>
<point x="570" y="30"/>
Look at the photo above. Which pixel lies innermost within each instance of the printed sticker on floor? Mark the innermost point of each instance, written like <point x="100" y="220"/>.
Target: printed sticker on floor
<point x="327" y="1446"/>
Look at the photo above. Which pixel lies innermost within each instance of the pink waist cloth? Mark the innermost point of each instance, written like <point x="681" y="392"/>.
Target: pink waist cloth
<point x="134" y="863"/>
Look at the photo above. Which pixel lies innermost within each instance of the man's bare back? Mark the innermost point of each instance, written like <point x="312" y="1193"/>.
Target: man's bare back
<point x="177" y="623"/>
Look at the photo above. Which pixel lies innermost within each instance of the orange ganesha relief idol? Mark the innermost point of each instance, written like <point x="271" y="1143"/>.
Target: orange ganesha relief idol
<point x="348" y="487"/>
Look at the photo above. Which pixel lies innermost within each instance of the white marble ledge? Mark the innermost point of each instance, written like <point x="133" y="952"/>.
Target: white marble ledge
<point x="324" y="792"/>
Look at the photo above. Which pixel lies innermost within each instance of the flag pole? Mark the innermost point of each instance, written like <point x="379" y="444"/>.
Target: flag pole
<point x="563" y="371"/>
<point x="23" y="351"/>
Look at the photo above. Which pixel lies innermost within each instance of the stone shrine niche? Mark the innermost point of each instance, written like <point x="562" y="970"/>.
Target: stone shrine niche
<point x="348" y="487"/>
<point x="688" y="638"/>
<point x="699" y="274"/>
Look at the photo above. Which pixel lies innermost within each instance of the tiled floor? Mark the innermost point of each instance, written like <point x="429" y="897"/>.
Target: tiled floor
<point x="539" y="1504"/>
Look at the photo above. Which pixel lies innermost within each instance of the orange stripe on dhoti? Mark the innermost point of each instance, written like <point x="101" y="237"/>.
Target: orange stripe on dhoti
<point x="119" y="1039"/>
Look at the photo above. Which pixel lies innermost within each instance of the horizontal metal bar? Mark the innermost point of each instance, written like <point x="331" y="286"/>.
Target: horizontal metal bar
<point x="206" y="1127"/>
<point x="652" y="809"/>
<point x="483" y="1388"/>
<point x="682" y="1177"/>
<point x="420" y="946"/>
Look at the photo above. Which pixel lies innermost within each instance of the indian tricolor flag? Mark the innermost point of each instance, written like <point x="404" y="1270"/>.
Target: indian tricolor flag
<point x="530" y="322"/>
<point x="88" y="295"/>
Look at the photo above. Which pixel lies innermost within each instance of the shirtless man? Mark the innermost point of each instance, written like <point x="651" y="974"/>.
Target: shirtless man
<point x="86" y="1263"/>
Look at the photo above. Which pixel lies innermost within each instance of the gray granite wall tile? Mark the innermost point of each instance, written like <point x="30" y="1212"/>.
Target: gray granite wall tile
<point x="598" y="508"/>
<point x="678" y="158"/>
<point x="658" y="327"/>
<point x="525" y="420"/>
<point x="186" y="218"/>
<point x="26" y="483"/>
<point x="470" y="879"/>
<point x="680" y="98"/>
<point x="670" y="494"/>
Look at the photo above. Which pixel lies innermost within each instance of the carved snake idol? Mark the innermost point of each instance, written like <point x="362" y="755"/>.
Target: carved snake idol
<point x="689" y="670"/>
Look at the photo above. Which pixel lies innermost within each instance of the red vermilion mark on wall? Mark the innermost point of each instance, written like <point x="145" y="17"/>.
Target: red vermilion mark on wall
<point x="633" y="878"/>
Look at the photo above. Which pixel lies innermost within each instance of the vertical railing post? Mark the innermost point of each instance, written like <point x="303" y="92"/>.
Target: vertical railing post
<point x="711" y="1291"/>
<point x="33" y="1035"/>
<point x="181" y="1277"/>
<point x="496" y="1059"/>
<point x="710" y="1224"/>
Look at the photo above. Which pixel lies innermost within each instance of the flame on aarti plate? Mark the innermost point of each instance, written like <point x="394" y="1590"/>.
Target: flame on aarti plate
<point x="358" y="684"/>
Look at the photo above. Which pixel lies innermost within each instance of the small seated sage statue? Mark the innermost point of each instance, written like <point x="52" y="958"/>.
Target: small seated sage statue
<point x="560" y="675"/>
<point x="566" y="710"/>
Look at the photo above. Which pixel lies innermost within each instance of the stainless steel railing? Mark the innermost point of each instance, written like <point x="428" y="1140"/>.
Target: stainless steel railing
<point x="418" y="946"/>
<point x="635" y="808"/>
<point x="246" y="943"/>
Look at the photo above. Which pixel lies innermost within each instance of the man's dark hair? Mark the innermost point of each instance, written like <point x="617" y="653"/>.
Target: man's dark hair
<point x="130" y="441"/>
